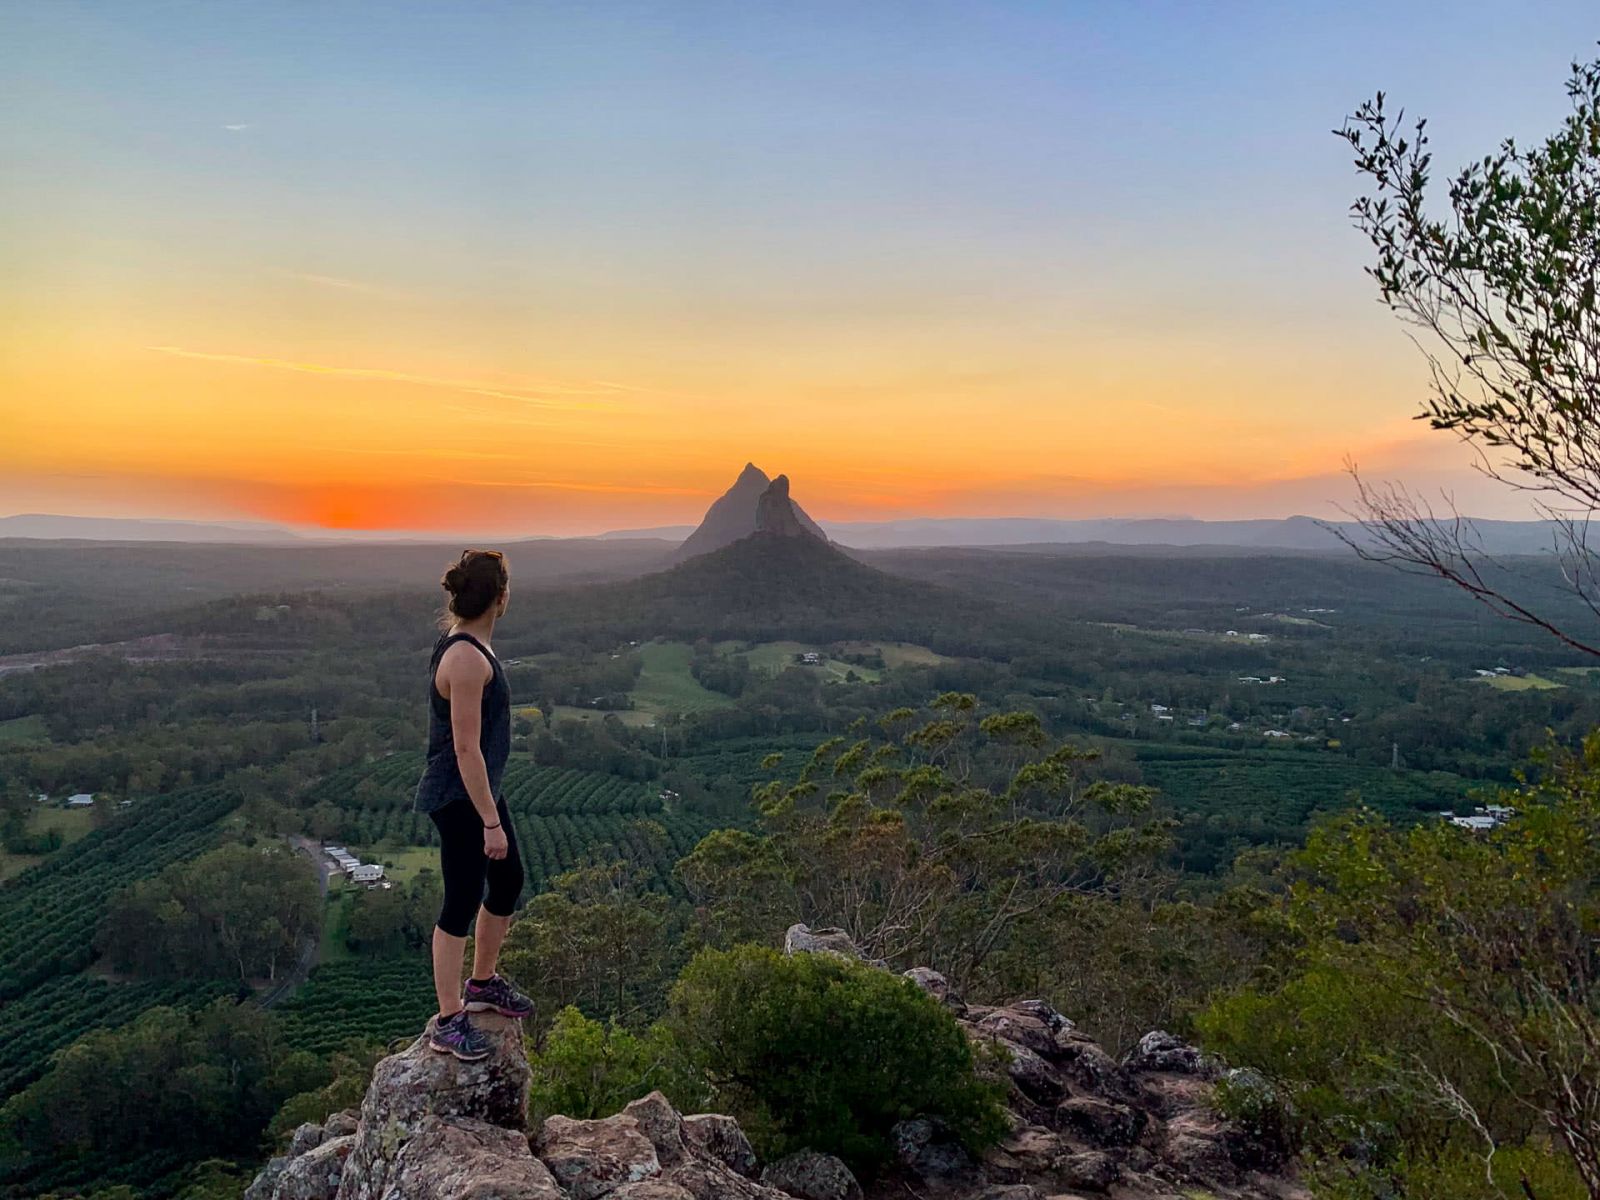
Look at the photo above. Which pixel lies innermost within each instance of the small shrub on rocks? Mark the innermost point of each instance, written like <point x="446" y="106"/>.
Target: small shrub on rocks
<point x="817" y="1052"/>
<point x="588" y="1069"/>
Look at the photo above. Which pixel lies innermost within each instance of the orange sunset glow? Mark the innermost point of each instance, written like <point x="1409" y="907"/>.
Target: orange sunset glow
<point x="339" y="292"/>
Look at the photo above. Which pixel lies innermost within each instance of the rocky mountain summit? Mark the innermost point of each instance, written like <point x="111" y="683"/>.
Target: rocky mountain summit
<point x="777" y="515"/>
<point x="1084" y="1126"/>
<point x="736" y="514"/>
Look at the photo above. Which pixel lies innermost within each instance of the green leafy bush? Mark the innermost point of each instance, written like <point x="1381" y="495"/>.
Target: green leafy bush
<point x="587" y="1069"/>
<point x="813" y="1051"/>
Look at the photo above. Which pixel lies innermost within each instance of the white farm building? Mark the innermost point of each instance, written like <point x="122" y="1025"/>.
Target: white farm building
<point x="352" y="866"/>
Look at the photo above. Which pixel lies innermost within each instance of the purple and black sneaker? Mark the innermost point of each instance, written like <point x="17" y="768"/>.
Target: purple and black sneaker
<point x="497" y="995"/>
<point x="457" y="1036"/>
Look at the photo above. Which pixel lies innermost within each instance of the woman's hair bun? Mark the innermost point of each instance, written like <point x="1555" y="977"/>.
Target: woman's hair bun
<point x="475" y="583"/>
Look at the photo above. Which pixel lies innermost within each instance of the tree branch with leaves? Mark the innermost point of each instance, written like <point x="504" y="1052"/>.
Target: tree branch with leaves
<point x="1500" y="296"/>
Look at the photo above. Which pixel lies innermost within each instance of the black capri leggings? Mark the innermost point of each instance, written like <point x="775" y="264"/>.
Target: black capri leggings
<point x="465" y="866"/>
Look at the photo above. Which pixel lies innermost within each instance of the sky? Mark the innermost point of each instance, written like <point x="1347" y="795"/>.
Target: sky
<point x="554" y="268"/>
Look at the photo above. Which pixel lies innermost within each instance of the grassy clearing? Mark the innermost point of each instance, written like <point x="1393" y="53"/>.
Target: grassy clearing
<point x="335" y="924"/>
<point x="402" y="865"/>
<point x="773" y="658"/>
<point x="21" y="731"/>
<point x="634" y="718"/>
<point x="898" y="654"/>
<point x="72" y="823"/>
<point x="1519" y="683"/>
<point x="665" y="685"/>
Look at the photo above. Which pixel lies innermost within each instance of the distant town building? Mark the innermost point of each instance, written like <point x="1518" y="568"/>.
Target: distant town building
<point x="367" y="872"/>
<point x="1483" y="818"/>
<point x="80" y="800"/>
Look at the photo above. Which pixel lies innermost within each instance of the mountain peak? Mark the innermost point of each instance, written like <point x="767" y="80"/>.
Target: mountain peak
<point x="775" y="512"/>
<point x="736" y="514"/>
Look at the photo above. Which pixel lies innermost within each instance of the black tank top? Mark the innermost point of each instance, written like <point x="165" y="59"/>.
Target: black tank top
<point x="441" y="780"/>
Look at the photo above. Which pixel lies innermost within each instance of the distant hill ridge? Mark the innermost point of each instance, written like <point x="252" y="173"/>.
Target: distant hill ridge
<point x="733" y="516"/>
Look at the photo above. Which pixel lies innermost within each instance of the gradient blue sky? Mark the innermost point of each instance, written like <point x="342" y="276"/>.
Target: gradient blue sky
<point x="586" y="259"/>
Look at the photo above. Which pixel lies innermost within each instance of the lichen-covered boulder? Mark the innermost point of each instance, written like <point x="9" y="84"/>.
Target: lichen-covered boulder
<point x="418" y="1083"/>
<point x="1022" y="1028"/>
<point x="1032" y="1075"/>
<point x="811" y="1175"/>
<point x="1200" y="1145"/>
<point x="1100" y="1122"/>
<point x="1091" y="1170"/>
<point x="650" y="1189"/>
<point x="937" y="986"/>
<point x="925" y="1148"/>
<point x="802" y="939"/>
<point x="461" y="1158"/>
<point x="1091" y="1070"/>
<point x="267" y="1178"/>
<point x="306" y="1138"/>
<point x="1039" y="1009"/>
<point x="591" y="1158"/>
<point x="1028" y="1149"/>
<point x="315" y="1174"/>
<point x="660" y="1122"/>
<point x="715" y="1136"/>
<point x="1010" y="1191"/>
<point x="1159" y="1050"/>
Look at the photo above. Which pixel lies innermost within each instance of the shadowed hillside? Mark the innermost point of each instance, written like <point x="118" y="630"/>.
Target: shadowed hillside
<point x="772" y="586"/>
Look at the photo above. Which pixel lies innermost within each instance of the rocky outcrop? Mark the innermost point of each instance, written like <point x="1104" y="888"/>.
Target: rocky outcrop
<point x="1083" y="1126"/>
<point x="1082" y="1123"/>
<point x="808" y="1175"/>
<point x="802" y="939"/>
<point x="434" y="1128"/>
<point x="776" y="514"/>
<point x="735" y="515"/>
<point x="420" y="1091"/>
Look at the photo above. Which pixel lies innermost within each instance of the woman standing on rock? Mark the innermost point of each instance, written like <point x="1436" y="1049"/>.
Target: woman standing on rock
<point x="469" y="740"/>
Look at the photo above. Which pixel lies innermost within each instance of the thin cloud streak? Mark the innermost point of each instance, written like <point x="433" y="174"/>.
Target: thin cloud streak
<point x="622" y="489"/>
<point x="542" y="397"/>
<point x="335" y="281"/>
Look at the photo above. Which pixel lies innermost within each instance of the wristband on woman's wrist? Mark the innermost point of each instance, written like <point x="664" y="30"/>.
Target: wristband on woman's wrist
<point x="496" y="825"/>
